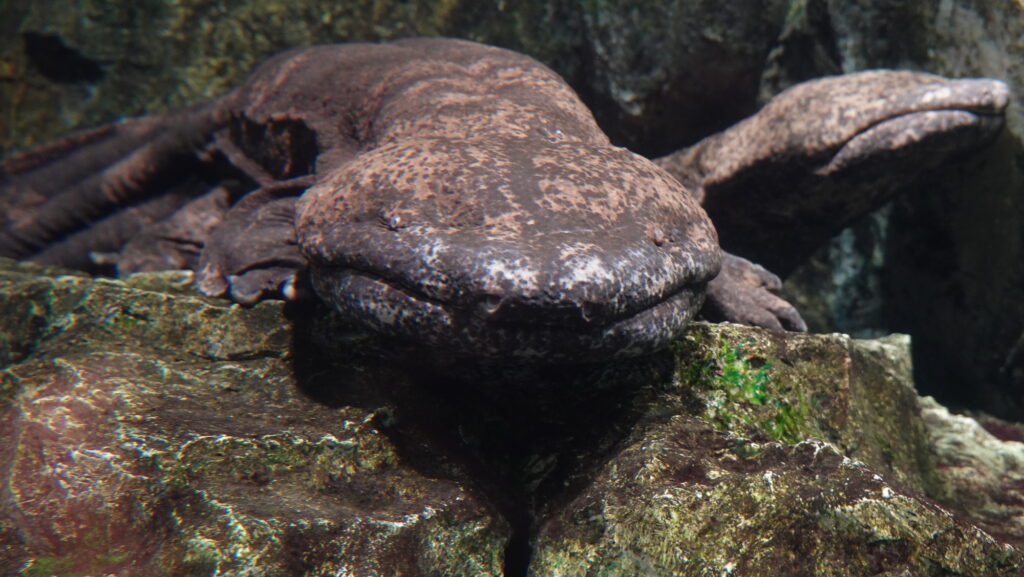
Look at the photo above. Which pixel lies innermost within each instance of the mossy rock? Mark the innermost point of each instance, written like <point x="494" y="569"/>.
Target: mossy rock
<point x="855" y="394"/>
<point x="149" y="429"/>
<point x="160" y="433"/>
<point x="689" y="500"/>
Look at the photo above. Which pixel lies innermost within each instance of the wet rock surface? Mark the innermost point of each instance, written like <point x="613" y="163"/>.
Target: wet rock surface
<point x="147" y="430"/>
<point x="154" y="55"/>
<point x="149" y="433"/>
<point x="662" y="77"/>
<point x="687" y="500"/>
<point x="982" y="460"/>
<point x="724" y="485"/>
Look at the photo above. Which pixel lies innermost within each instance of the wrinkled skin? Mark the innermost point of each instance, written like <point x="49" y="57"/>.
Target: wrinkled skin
<point x="461" y="197"/>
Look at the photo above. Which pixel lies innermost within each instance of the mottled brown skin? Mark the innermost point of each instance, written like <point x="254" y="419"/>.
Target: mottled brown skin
<point x="461" y="196"/>
<point x="781" y="183"/>
<point x="823" y="153"/>
<point x="453" y="194"/>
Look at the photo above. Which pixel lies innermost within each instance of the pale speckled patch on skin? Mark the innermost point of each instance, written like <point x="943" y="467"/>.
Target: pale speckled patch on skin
<point x="474" y="174"/>
<point x="462" y="196"/>
<point x="511" y="211"/>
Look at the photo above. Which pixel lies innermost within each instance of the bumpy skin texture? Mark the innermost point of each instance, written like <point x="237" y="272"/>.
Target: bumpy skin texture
<point x="440" y="191"/>
<point x="461" y="196"/>
<point x="821" y="154"/>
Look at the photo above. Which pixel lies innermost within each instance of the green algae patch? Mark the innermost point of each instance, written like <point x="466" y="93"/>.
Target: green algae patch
<point x="771" y="454"/>
<point x="97" y="541"/>
<point x="744" y="394"/>
<point x="148" y="428"/>
<point x="857" y="395"/>
<point x="40" y="306"/>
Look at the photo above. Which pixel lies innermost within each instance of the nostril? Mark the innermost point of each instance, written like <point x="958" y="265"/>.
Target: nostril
<point x="1001" y="97"/>
<point x="993" y="96"/>
<point x="657" y="236"/>
<point x="663" y="236"/>
<point x="587" y="311"/>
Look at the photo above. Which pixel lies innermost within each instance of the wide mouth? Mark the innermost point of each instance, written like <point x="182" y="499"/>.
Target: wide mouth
<point x="515" y="332"/>
<point x="510" y="249"/>
<point x="957" y="126"/>
<point x="949" y="115"/>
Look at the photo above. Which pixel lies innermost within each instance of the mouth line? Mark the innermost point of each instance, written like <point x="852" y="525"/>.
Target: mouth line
<point x="474" y="307"/>
<point x="898" y="131"/>
<point x="981" y="112"/>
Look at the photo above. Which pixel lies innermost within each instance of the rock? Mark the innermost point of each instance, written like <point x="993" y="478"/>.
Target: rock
<point x="657" y="75"/>
<point x="842" y="287"/>
<point x="149" y="432"/>
<point x="986" y="473"/>
<point x="688" y="500"/>
<point x="856" y="395"/>
<point x="663" y="75"/>
<point x="69" y="65"/>
<point x="955" y="273"/>
<point x="188" y="422"/>
<point x="701" y="487"/>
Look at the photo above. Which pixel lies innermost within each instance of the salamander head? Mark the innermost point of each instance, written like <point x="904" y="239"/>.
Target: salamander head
<point x="824" y="152"/>
<point x="519" y="249"/>
<point x="837" y="124"/>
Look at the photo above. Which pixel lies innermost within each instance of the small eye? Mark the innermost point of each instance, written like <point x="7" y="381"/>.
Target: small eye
<point x="490" y="305"/>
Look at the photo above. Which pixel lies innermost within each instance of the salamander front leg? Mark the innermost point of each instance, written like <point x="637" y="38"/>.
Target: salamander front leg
<point x="742" y="293"/>
<point x="253" y="255"/>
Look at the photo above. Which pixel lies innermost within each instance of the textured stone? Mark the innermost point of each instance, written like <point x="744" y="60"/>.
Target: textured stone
<point x="657" y="74"/>
<point x="158" y="54"/>
<point x="165" y="433"/>
<point x="150" y="431"/>
<point x="701" y="488"/>
<point x="985" y="472"/>
<point x="153" y="433"/>
<point x="687" y="500"/>
<point x="665" y="74"/>
<point x="856" y="395"/>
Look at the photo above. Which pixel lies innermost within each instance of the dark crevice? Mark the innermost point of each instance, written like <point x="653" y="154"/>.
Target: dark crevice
<point x="486" y="427"/>
<point x="287" y="147"/>
<point x="519" y="551"/>
<point x="59" y="62"/>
